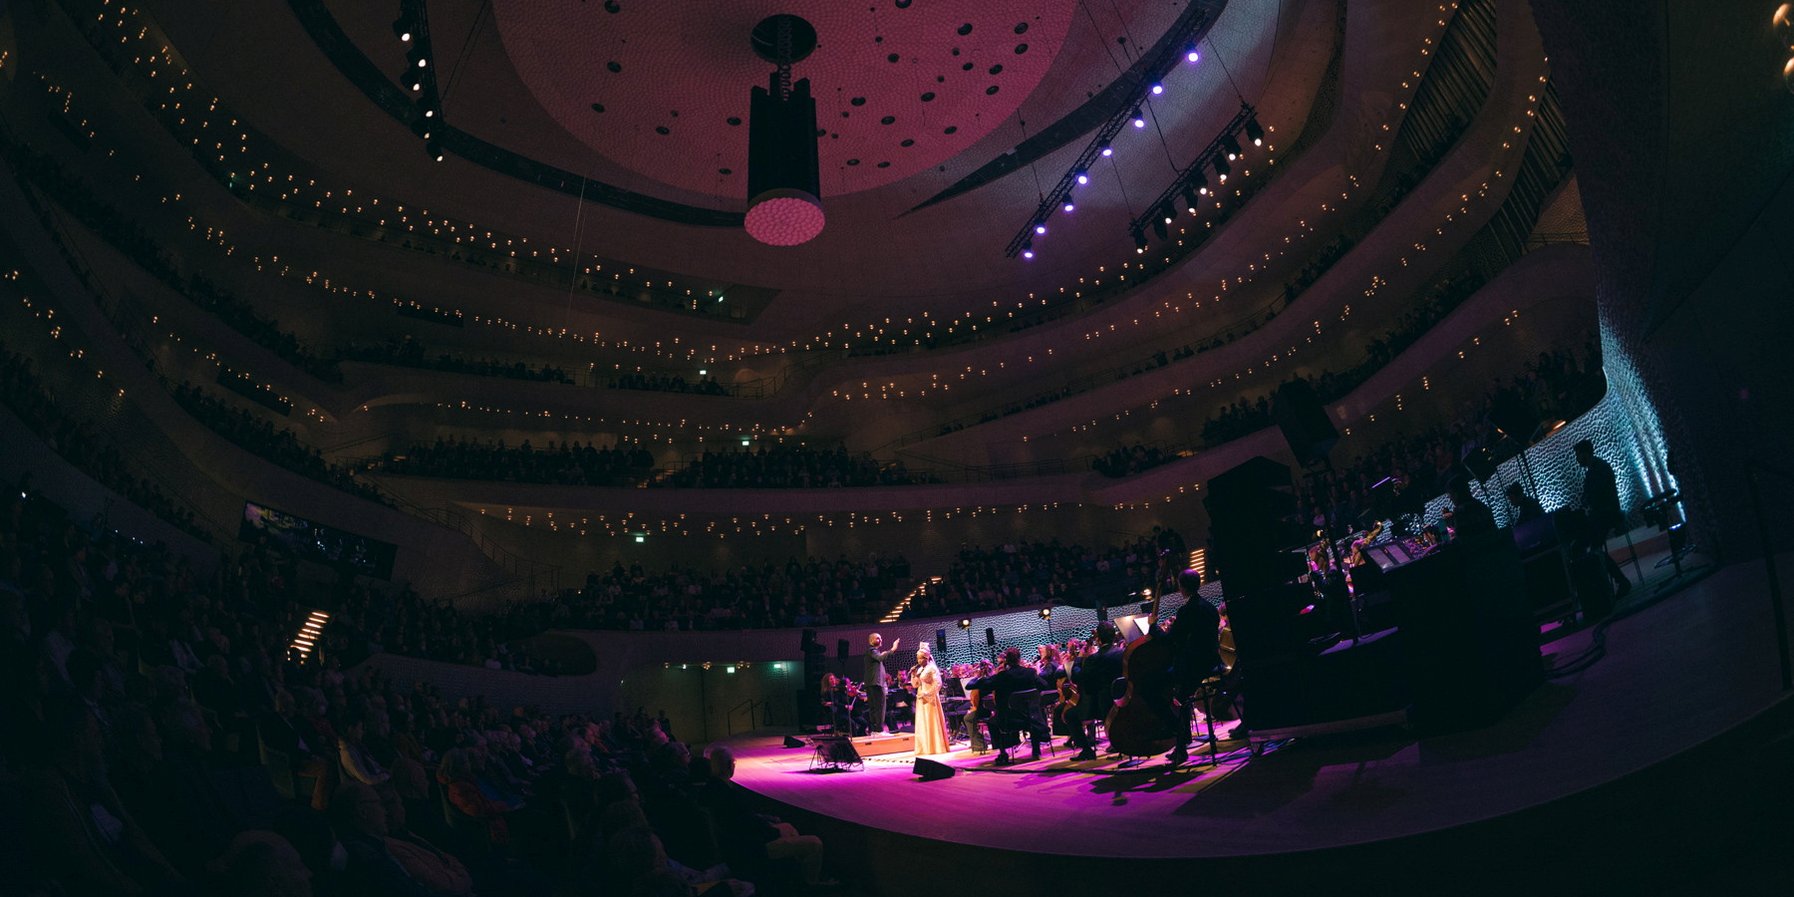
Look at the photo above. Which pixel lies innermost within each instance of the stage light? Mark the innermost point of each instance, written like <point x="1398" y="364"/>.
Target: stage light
<point x="1191" y="55"/>
<point x="1040" y="228"/>
<point x="640" y="538"/>
<point x="1199" y="182"/>
<point x="1255" y="133"/>
<point x="1158" y="89"/>
<point x="1083" y="178"/>
<point x="1108" y="151"/>
<point x="1231" y="147"/>
<point x="1046" y="613"/>
<point x="1068" y="208"/>
<point x="1168" y="212"/>
<point x="434" y="149"/>
<point x="965" y="623"/>
<point x="1222" y="169"/>
<point x="1139" y="240"/>
<point x="1139" y="122"/>
<point x="1027" y="250"/>
<point x="429" y="113"/>
<point x="423" y="63"/>
<point x="1190" y="200"/>
<point x="1160" y="230"/>
<point x="401" y="28"/>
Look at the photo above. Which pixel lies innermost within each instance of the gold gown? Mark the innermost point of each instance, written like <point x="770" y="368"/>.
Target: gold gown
<point x="931" y="723"/>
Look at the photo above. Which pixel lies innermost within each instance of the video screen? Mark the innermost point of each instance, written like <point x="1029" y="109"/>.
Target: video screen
<point x="317" y="542"/>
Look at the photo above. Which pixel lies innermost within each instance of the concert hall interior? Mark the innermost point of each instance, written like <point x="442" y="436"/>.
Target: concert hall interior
<point x="515" y="447"/>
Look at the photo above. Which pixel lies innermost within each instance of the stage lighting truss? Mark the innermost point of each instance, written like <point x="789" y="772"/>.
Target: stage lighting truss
<point x="418" y="80"/>
<point x="1172" y="50"/>
<point x="1191" y="182"/>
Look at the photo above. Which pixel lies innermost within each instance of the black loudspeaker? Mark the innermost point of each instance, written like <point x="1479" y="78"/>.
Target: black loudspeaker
<point x="1247" y="506"/>
<point x="1303" y="420"/>
<point x="1513" y="416"/>
<point x="933" y="770"/>
<point x="791" y="742"/>
<point x="990" y="636"/>
<point x="1469" y="643"/>
<point x="841" y="649"/>
<point x="940" y="640"/>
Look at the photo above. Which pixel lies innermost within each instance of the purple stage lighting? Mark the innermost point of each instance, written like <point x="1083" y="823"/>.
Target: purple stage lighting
<point x="1083" y="179"/>
<point x="1040" y="228"/>
<point x="1158" y="89"/>
<point x="1108" y="151"/>
<point x="1069" y="207"/>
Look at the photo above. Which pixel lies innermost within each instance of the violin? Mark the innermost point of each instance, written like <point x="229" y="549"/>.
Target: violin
<point x="1144" y="722"/>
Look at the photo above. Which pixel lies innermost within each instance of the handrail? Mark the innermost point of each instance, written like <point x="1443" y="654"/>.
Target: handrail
<point x="750" y="704"/>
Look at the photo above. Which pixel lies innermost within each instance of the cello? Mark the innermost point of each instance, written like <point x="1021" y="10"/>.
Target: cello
<point x="1144" y="722"/>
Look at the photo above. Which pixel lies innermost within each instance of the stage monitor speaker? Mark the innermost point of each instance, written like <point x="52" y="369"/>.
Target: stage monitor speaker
<point x="792" y="742"/>
<point x="940" y="641"/>
<point x="1511" y="414"/>
<point x="933" y="770"/>
<point x="1303" y="420"/>
<point x="841" y="648"/>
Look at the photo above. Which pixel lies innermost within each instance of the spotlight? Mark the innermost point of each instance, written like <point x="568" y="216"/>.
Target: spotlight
<point x="1068" y="208"/>
<point x="1046" y="613"/>
<point x="1189" y="196"/>
<point x="1168" y="212"/>
<point x="423" y="63"/>
<point x="401" y="28"/>
<point x="1191" y="55"/>
<point x="1083" y="178"/>
<point x="434" y="149"/>
<point x="1139" y="240"/>
<point x="965" y="623"/>
<point x="1158" y="89"/>
<point x="1159" y="230"/>
<point x="429" y="113"/>
<point x="1139" y="122"/>
<point x="1040" y="228"/>
<point x="1231" y="147"/>
<point x="1027" y="251"/>
<point x="1199" y="182"/>
<point x="1108" y="151"/>
<point x="1255" y="133"/>
<point x="1222" y="169"/>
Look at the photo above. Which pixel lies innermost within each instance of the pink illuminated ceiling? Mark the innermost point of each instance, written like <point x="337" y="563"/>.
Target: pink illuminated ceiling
<point x="875" y="258"/>
<point x="662" y="88"/>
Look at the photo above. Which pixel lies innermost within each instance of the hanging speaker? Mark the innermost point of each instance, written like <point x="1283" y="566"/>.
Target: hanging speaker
<point x="933" y="770"/>
<point x="940" y="640"/>
<point x="1303" y="420"/>
<point x="990" y="636"/>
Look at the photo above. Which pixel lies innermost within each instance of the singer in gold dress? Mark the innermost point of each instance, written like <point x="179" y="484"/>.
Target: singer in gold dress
<point x="931" y="723"/>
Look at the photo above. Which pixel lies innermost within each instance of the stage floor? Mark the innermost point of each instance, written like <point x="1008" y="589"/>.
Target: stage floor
<point x="1675" y="674"/>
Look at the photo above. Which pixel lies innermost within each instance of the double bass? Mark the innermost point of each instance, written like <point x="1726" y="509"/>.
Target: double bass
<point x="1144" y="722"/>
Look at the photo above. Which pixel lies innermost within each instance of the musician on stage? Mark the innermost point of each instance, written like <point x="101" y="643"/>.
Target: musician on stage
<point x="1096" y="684"/>
<point x="877" y="679"/>
<point x="1195" y="635"/>
<point x="1008" y="723"/>
<point x="1601" y="503"/>
<point x="931" y="723"/>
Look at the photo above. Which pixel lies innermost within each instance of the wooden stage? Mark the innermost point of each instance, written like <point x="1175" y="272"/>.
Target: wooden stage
<point x="1675" y="674"/>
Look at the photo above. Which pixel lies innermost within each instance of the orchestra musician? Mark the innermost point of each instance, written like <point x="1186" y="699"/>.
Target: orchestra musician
<point x="931" y="723"/>
<point x="1096" y="684"/>
<point x="1006" y="724"/>
<point x="842" y="703"/>
<point x="981" y="706"/>
<point x="1195" y="635"/>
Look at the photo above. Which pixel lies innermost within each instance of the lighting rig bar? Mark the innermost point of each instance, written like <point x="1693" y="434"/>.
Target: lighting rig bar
<point x="412" y="28"/>
<point x="1191" y="181"/>
<point x="1179" y="41"/>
